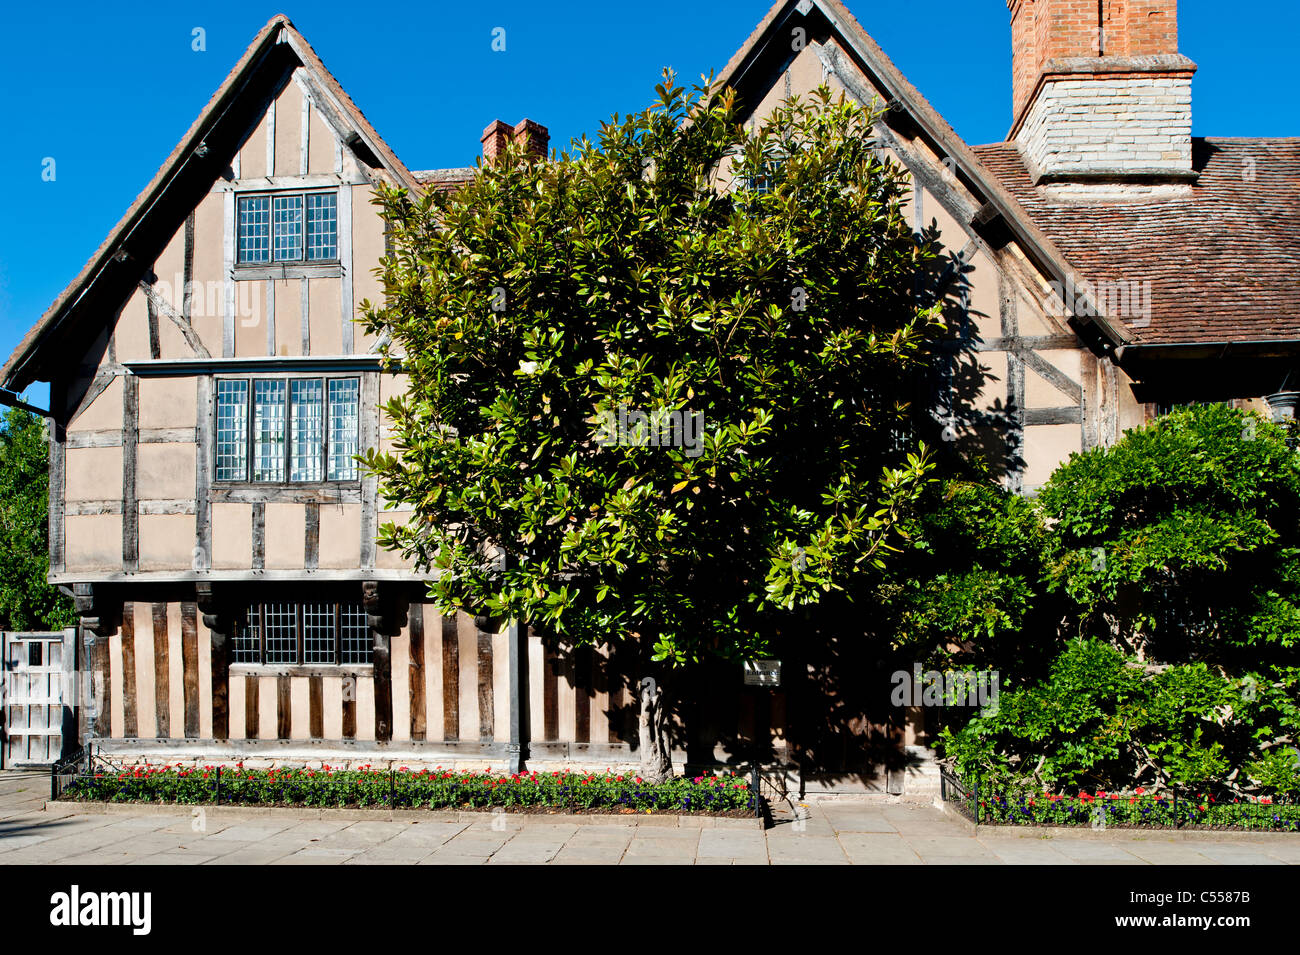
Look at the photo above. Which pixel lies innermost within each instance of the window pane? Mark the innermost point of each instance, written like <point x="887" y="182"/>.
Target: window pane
<point x="322" y="226"/>
<point x="357" y="645"/>
<point x="247" y="636"/>
<point x="344" y="399"/>
<point x="281" y="625"/>
<point x="318" y="633"/>
<point x="255" y="229"/>
<point x="307" y="397"/>
<point x="288" y="228"/>
<point x="232" y="430"/>
<point x="268" y="430"/>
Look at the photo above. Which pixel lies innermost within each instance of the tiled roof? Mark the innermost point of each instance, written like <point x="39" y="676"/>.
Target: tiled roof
<point x="1223" y="262"/>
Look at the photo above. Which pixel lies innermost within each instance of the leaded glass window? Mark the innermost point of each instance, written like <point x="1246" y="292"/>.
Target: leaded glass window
<point x="268" y="429"/>
<point x="307" y="428"/>
<point x="296" y="430"/>
<point x="345" y="397"/>
<point x="232" y="430"/>
<point x="286" y="217"/>
<point x="312" y="633"/>
<point x="254" y="229"/>
<point x="293" y="227"/>
<point x="322" y="226"/>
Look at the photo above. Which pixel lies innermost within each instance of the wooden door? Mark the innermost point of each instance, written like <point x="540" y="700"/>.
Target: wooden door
<point x="32" y="691"/>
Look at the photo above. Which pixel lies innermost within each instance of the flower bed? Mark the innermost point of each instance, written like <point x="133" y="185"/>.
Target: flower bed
<point x="426" y="789"/>
<point x="992" y="805"/>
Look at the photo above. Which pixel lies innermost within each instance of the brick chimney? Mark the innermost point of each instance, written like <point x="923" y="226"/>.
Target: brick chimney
<point x="531" y="135"/>
<point x="1102" y="96"/>
<point x="534" y="136"/>
<point x="494" y="139"/>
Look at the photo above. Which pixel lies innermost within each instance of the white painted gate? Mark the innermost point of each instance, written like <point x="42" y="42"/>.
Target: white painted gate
<point x="37" y="669"/>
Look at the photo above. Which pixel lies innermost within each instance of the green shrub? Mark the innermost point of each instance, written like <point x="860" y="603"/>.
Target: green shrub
<point x="1188" y="809"/>
<point x="404" y="789"/>
<point x="1104" y="719"/>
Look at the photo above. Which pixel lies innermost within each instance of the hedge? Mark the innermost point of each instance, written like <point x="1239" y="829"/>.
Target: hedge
<point x="407" y="789"/>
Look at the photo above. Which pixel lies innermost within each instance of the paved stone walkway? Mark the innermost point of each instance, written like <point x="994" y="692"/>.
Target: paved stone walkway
<point x="835" y="832"/>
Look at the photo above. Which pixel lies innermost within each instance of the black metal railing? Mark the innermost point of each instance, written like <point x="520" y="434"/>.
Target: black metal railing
<point x="960" y="795"/>
<point x="997" y="803"/>
<point x="65" y="770"/>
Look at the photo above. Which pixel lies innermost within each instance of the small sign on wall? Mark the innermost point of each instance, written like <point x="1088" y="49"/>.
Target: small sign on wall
<point x="763" y="673"/>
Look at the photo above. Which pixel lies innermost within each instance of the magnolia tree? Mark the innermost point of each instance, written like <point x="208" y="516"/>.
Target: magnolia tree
<point x="661" y="386"/>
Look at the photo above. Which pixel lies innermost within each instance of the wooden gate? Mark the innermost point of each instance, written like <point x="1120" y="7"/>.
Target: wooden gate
<point x="38" y="669"/>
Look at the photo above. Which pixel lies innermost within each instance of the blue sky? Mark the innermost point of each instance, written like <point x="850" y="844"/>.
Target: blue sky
<point x="107" y="90"/>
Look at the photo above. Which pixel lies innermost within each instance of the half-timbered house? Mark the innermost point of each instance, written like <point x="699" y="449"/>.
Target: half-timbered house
<point x="209" y="389"/>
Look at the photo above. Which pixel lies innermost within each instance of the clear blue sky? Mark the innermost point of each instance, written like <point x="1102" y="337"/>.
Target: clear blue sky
<point x="108" y="89"/>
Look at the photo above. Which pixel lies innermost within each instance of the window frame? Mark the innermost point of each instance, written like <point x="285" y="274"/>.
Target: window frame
<point x="304" y="243"/>
<point x="299" y="661"/>
<point x="250" y="436"/>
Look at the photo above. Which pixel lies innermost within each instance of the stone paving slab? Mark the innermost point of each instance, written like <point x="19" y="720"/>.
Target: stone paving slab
<point x="852" y="831"/>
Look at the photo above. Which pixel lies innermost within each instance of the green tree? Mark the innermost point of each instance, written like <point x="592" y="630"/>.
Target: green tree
<point x="1182" y="541"/>
<point x="1177" y="555"/>
<point x="27" y="601"/>
<point x="968" y="590"/>
<point x="763" y="285"/>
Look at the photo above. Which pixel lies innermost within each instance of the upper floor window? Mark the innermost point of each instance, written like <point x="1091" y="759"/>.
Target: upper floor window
<point x="288" y="227"/>
<point x="294" y="430"/>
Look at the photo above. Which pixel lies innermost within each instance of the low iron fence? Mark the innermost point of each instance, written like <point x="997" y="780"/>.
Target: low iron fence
<point x="995" y="803"/>
<point x="82" y="762"/>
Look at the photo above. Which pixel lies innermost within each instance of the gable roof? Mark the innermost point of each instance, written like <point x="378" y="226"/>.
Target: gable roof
<point x="188" y="172"/>
<point x="1223" y="260"/>
<point x="768" y="44"/>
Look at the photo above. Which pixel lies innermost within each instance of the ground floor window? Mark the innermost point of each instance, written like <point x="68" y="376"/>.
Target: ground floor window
<point x="316" y="632"/>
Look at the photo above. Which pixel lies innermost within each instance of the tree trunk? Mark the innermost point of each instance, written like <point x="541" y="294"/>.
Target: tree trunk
<point x="652" y="730"/>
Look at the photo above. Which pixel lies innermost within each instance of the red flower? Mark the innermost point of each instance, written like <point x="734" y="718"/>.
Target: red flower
<point x="1140" y="790"/>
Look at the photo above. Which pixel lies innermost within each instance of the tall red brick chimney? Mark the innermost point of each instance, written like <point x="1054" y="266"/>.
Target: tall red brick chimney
<point x="1100" y="91"/>
<point x="533" y="136"/>
<point x="494" y="139"/>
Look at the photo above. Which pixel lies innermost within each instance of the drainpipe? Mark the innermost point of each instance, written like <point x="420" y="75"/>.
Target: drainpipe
<point x="516" y="637"/>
